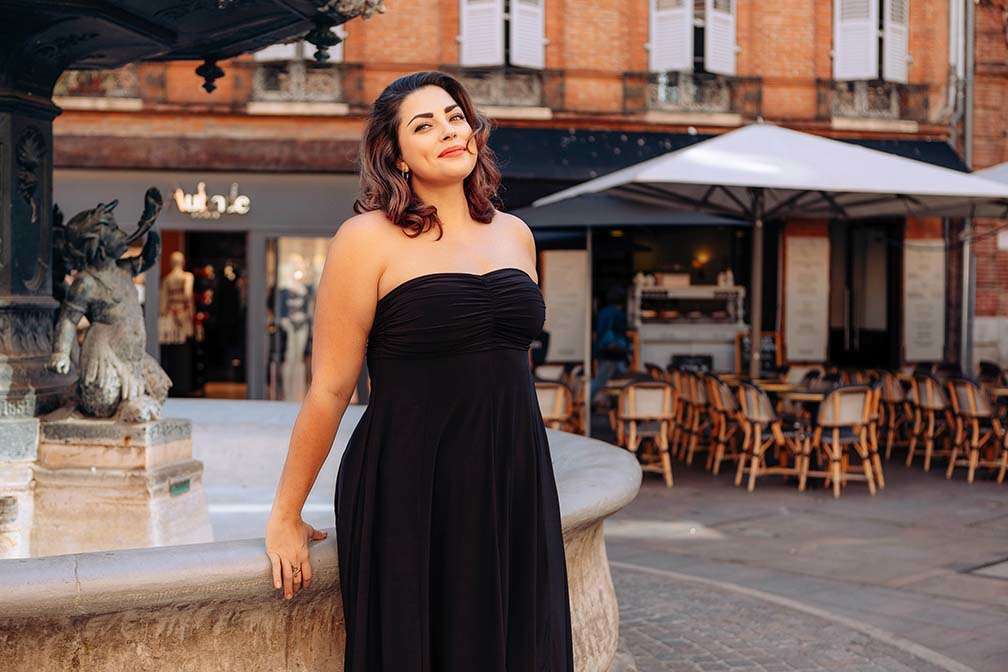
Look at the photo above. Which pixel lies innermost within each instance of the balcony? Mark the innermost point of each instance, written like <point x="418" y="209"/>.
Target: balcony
<point x="692" y="97"/>
<point x="301" y="86"/>
<point x="512" y="92"/>
<point x="872" y="104"/>
<point x="117" y="89"/>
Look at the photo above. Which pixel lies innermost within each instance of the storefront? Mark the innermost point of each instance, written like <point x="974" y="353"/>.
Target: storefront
<point x="229" y="309"/>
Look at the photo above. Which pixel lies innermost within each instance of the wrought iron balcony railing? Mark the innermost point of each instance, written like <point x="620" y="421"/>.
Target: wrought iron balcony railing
<point x="871" y="99"/>
<point x="692" y="92"/>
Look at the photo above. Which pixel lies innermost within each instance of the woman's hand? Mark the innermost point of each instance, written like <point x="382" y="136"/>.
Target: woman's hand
<point x="287" y="547"/>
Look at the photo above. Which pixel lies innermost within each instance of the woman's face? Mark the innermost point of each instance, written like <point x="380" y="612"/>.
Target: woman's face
<point x="435" y="139"/>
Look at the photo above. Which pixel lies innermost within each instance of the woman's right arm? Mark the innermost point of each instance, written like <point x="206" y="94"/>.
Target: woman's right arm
<point x="345" y="307"/>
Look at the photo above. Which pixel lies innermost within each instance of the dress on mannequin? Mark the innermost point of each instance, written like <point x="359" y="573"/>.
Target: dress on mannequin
<point x="176" y="316"/>
<point x="293" y="303"/>
<point x="177" y="303"/>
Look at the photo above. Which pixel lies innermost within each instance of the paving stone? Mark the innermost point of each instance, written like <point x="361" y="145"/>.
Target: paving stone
<point x="681" y="625"/>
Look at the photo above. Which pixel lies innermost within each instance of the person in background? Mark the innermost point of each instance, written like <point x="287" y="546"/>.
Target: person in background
<point x="610" y="347"/>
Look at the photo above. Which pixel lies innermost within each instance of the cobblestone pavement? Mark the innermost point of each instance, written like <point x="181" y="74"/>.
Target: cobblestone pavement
<point x="680" y="626"/>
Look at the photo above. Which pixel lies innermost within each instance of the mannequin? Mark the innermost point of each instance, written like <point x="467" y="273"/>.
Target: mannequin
<point x="178" y="304"/>
<point x="294" y="312"/>
<point x="176" y="319"/>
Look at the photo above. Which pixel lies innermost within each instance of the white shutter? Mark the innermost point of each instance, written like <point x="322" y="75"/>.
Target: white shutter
<point x="671" y="38"/>
<point x="719" y="37"/>
<point x="855" y="39"/>
<point x="528" y="33"/>
<point x="482" y="32"/>
<point x="277" y="52"/>
<point x="895" y="21"/>
<point x="957" y="37"/>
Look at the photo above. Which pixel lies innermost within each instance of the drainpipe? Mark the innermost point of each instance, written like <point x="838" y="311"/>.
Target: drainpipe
<point x="968" y="265"/>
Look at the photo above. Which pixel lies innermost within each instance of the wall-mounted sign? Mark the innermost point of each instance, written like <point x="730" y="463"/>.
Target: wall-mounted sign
<point x="201" y="206"/>
<point x="806" y="298"/>
<point x="924" y="300"/>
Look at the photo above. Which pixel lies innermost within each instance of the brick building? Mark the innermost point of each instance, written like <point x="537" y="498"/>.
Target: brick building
<point x="990" y="333"/>
<point x="576" y="89"/>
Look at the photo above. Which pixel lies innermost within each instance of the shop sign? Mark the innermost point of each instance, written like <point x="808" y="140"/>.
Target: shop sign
<point x="201" y="206"/>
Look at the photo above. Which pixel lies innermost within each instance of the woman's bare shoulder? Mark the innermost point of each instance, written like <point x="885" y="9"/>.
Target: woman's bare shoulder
<point x="365" y="236"/>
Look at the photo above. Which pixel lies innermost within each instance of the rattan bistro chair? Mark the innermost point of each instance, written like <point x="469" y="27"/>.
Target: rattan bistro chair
<point x="895" y="410"/>
<point x="680" y="383"/>
<point x="757" y="416"/>
<point x="872" y="429"/>
<point x="724" y="411"/>
<point x="698" y="420"/>
<point x="977" y="430"/>
<point x="646" y="411"/>
<point x="556" y="404"/>
<point x="842" y="422"/>
<point x="933" y="420"/>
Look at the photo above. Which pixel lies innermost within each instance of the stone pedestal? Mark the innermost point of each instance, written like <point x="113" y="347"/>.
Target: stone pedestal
<point x="102" y="485"/>
<point x="18" y="443"/>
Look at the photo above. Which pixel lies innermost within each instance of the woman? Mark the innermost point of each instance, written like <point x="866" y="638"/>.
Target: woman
<point x="447" y="516"/>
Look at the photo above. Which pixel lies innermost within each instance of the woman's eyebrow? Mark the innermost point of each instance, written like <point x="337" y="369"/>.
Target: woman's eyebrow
<point x="430" y="115"/>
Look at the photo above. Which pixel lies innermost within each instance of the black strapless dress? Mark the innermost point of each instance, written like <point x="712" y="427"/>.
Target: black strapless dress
<point x="447" y="517"/>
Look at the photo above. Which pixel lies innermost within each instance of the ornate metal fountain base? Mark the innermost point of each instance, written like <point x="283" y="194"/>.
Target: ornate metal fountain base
<point x="102" y="485"/>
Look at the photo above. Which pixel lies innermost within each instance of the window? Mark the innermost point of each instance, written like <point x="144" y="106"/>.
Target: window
<point x="869" y="37"/>
<point x="502" y="32"/>
<point x="299" y="50"/>
<point x="692" y="36"/>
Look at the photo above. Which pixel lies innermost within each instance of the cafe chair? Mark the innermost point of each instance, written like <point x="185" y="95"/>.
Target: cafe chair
<point x="549" y="372"/>
<point x="556" y="404"/>
<point x="646" y="411"/>
<point x="798" y="374"/>
<point x="933" y="421"/>
<point x="980" y="437"/>
<point x="842" y="423"/>
<point x="679" y="381"/>
<point x="874" y="420"/>
<point x="654" y="371"/>
<point x="724" y="411"/>
<point x="991" y="373"/>
<point x="790" y="444"/>
<point x="576" y="384"/>
<point x="895" y="411"/>
<point x="699" y="419"/>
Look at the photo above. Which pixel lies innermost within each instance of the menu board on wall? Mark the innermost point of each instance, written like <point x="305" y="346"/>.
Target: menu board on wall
<point x="806" y="298"/>
<point x="924" y="300"/>
<point x="563" y="282"/>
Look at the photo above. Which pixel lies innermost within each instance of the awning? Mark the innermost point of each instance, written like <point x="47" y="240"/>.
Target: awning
<point x="796" y="174"/>
<point x="607" y="210"/>
<point x="576" y="155"/>
<point x="998" y="173"/>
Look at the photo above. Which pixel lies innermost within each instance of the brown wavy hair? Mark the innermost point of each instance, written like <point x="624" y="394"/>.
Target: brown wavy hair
<point x="383" y="187"/>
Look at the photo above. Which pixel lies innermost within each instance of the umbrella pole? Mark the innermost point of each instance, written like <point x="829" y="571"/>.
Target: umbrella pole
<point x="756" y="286"/>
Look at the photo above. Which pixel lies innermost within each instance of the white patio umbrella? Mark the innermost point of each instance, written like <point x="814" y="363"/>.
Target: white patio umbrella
<point x="763" y="171"/>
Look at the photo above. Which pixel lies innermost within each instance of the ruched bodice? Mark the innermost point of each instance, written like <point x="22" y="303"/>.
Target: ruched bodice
<point x="447" y="514"/>
<point x="455" y="312"/>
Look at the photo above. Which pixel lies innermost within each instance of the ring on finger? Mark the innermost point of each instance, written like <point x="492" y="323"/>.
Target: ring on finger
<point x="296" y="572"/>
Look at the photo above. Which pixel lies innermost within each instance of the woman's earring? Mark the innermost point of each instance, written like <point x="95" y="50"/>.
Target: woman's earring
<point x="405" y="173"/>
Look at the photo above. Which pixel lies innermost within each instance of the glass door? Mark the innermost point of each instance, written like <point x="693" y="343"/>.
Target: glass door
<point x="293" y="269"/>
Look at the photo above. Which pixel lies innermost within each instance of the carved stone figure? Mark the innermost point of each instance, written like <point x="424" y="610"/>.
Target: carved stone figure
<point x="117" y="378"/>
